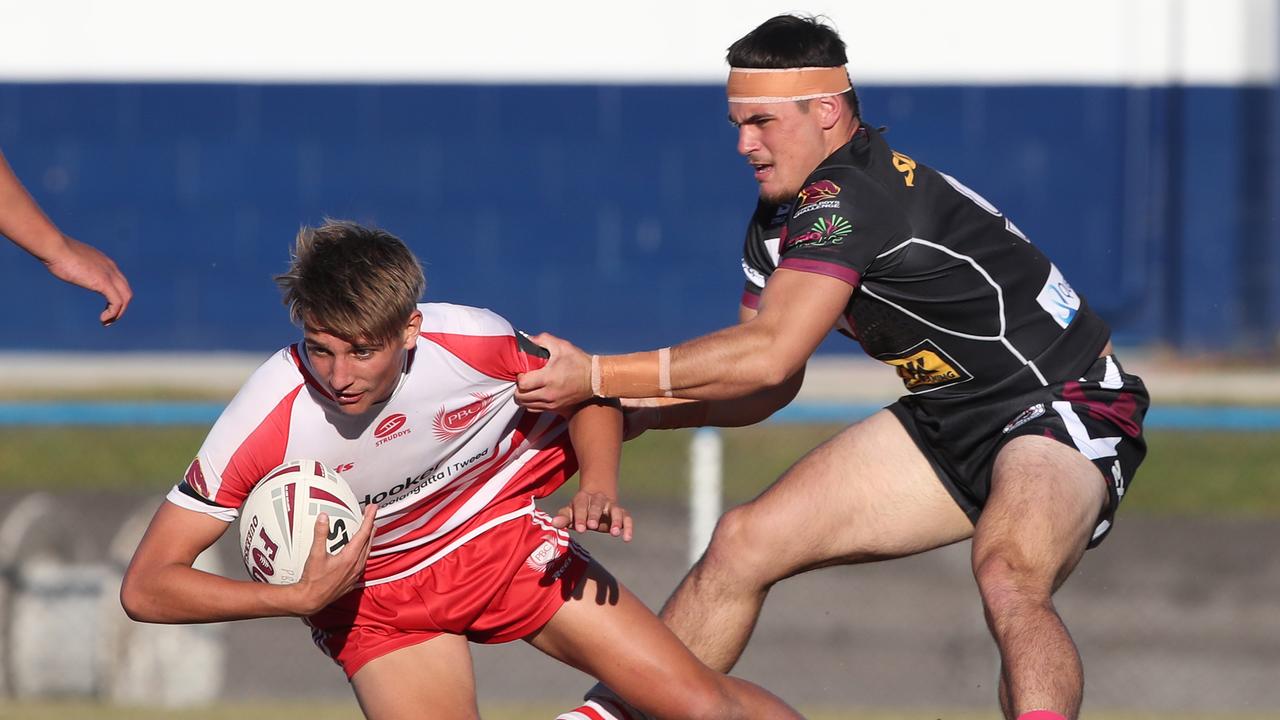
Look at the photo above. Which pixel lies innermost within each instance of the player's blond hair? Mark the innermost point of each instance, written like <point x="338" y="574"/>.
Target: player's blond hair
<point x="355" y="282"/>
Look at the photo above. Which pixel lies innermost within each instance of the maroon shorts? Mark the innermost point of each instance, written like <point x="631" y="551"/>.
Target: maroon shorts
<point x="500" y="586"/>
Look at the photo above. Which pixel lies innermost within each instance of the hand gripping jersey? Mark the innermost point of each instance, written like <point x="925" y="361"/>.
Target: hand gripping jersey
<point x="449" y="456"/>
<point x="946" y="289"/>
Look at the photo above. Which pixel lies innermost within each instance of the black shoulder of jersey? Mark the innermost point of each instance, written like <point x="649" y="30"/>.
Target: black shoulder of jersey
<point x="528" y="347"/>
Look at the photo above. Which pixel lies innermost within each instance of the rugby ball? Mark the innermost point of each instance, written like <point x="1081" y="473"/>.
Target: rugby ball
<point x="278" y="519"/>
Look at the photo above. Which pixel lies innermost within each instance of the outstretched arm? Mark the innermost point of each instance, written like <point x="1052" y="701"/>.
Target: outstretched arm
<point x="596" y="432"/>
<point x="797" y="310"/>
<point x="641" y="414"/>
<point x="161" y="586"/>
<point x="22" y="221"/>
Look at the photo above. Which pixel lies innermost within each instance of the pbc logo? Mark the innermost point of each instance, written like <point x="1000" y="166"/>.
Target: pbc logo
<point x="821" y="190"/>
<point x="451" y="423"/>
<point x="195" y="478"/>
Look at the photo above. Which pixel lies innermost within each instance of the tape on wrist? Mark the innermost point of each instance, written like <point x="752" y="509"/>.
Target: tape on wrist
<point x="596" y="381"/>
<point x="628" y="376"/>
<point x="664" y="371"/>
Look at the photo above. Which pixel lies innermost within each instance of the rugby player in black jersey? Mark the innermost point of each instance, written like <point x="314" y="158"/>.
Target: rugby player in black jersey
<point x="1019" y="428"/>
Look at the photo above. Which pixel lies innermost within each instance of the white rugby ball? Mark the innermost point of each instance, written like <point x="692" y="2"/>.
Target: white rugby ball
<point x="278" y="519"/>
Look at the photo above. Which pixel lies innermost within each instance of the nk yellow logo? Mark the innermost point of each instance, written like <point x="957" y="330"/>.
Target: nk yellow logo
<point x="906" y="166"/>
<point x="925" y="368"/>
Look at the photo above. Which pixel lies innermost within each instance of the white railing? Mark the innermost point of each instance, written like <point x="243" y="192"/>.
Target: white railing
<point x="706" y="472"/>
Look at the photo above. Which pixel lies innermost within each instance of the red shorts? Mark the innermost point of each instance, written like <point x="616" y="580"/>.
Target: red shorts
<point x="500" y="586"/>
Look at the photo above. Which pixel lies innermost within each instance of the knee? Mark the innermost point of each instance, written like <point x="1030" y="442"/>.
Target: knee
<point x="1008" y="583"/>
<point x="738" y="549"/>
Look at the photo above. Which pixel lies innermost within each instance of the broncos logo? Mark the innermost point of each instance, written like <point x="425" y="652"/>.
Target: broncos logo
<point x="821" y="190"/>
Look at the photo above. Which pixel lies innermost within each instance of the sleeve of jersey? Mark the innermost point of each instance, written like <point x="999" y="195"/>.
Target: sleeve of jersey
<point x="756" y="266"/>
<point x="483" y="340"/>
<point x="248" y="440"/>
<point x="842" y="221"/>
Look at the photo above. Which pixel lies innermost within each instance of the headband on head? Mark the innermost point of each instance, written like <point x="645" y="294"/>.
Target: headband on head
<point x="775" y="85"/>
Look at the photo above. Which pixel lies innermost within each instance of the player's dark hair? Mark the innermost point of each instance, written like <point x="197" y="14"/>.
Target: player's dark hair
<point x="792" y="41"/>
<point x="355" y="282"/>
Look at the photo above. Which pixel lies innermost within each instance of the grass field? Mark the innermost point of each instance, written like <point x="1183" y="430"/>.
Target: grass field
<point x="1220" y="473"/>
<point x="1224" y="474"/>
<point x="342" y="711"/>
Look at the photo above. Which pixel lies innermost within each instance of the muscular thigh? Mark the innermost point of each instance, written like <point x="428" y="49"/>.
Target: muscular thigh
<point x="866" y="494"/>
<point x="432" y="679"/>
<point x="1045" y="502"/>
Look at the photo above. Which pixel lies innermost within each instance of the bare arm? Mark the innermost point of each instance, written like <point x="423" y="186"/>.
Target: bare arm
<point x="160" y="585"/>
<point x="671" y="413"/>
<point x="596" y="432"/>
<point x="797" y="310"/>
<point x="23" y="222"/>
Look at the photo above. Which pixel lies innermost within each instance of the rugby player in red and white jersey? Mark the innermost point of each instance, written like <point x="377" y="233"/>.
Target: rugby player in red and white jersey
<point x="414" y="406"/>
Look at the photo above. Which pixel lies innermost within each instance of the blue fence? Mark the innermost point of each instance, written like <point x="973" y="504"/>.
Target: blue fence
<point x="611" y="214"/>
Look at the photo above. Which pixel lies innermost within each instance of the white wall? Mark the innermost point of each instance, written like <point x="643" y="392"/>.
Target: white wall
<point x="902" y="41"/>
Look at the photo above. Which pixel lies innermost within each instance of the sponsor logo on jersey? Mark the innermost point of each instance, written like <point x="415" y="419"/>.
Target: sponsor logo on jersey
<point x="390" y="425"/>
<point x="906" y="166"/>
<point x="826" y="231"/>
<point x="452" y="423"/>
<point x="429" y="479"/>
<point x="1058" y="298"/>
<point x="1024" y="417"/>
<point x="820" y="205"/>
<point x="395" y="426"/>
<point x="821" y="190"/>
<point x="926" y="367"/>
<point x="195" y="478"/>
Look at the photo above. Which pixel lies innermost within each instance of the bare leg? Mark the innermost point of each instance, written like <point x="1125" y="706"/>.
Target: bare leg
<point x="607" y="632"/>
<point x="1045" y="500"/>
<point x="433" y="679"/>
<point x="867" y="494"/>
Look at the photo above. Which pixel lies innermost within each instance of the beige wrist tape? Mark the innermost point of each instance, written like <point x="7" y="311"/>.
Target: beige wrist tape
<point x="638" y="375"/>
<point x="775" y="85"/>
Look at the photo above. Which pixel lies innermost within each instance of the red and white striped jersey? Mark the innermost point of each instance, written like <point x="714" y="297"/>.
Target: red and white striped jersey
<point x="448" y="456"/>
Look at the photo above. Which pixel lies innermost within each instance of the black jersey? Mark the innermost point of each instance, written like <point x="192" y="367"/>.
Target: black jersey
<point x="946" y="289"/>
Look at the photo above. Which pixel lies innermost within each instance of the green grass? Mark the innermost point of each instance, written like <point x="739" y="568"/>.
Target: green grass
<point x="107" y="458"/>
<point x="1219" y="473"/>
<point x="349" y="711"/>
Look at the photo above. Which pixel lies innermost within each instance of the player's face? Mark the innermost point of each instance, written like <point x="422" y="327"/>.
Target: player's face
<point x="359" y="373"/>
<point x="781" y="142"/>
